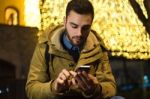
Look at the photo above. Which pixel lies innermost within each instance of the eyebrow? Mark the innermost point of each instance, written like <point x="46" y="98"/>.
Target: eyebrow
<point x="73" y="24"/>
<point x="78" y="25"/>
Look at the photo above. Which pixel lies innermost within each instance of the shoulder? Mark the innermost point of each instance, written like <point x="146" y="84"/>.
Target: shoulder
<point x="100" y="40"/>
<point x="44" y="36"/>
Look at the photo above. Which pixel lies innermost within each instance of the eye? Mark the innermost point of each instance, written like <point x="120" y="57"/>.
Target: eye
<point x="74" y="26"/>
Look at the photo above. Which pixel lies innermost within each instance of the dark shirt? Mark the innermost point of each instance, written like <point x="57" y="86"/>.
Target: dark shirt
<point x="74" y="51"/>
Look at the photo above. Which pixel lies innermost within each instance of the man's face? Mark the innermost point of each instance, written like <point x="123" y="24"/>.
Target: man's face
<point x="78" y="27"/>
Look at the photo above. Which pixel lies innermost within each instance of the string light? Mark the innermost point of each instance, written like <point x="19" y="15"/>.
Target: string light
<point x="115" y="21"/>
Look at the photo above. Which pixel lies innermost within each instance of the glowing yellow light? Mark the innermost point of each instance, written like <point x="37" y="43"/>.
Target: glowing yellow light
<point x="32" y="13"/>
<point x="115" y="21"/>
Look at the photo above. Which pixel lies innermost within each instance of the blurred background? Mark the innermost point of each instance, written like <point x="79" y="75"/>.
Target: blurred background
<point x="124" y="25"/>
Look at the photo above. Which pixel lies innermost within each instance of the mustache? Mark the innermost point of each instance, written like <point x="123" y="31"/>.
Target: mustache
<point x="77" y="37"/>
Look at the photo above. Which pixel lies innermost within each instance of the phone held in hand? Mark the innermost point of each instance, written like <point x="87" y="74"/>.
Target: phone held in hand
<point x="85" y="68"/>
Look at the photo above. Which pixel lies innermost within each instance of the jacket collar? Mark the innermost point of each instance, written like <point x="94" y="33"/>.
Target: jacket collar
<point x="90" y="49"/>
<point x="54" y="39"/>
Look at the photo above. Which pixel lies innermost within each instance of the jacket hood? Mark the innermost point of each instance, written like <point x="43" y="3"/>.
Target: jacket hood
<point x="90" y="49"/>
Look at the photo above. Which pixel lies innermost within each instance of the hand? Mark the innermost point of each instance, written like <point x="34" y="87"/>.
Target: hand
<point x="61" y="83"/>
<point x="86" y="82"/>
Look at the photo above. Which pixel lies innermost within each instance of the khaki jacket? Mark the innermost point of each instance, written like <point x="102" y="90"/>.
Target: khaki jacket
<point x="39" y="84"/>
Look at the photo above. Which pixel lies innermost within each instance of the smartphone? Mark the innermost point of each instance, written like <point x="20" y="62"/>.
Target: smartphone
<point x="85" y="68"/>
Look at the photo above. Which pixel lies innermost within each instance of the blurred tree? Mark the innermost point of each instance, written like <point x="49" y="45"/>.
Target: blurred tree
<point x="140" y="14"/>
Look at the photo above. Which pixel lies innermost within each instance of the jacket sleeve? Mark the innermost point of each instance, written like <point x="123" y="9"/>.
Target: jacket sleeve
<point x="105" y="77"/>
<point x="107" y="85"/>
<point x="38" y="85"/>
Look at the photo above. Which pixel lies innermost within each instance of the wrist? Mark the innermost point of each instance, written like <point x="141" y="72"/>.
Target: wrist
<point x="57" y="90"/>
<point x="53" y="88"/>
<point x="96" y="91"/>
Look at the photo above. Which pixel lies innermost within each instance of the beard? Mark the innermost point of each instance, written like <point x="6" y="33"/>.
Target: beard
<point x="75" y="40"/>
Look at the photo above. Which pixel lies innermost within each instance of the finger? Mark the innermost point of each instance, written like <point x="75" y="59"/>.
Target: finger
<point x="89" y="80"/>
<point x="73" y="73"/>
<point x="93" y="82"/>
<point x="84" y="79"/>
<point x="93" y="79"/>
<point x="62" y="76"/>
<point x="79" y="79"/>
<point x="85" y="74"/>
<point x="60" y="81"/>
<point x="74" y="82"/>
<point x="80" y="83"/>
<point x="66" y="73"/>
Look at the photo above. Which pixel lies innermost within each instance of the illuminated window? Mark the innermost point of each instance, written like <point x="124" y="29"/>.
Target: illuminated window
<point x="11" y="16"/>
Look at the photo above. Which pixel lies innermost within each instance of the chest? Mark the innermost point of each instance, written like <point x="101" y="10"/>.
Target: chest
<point x="57" y="64"/>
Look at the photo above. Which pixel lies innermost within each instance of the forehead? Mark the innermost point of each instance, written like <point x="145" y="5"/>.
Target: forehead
<point x="80" y="19"/>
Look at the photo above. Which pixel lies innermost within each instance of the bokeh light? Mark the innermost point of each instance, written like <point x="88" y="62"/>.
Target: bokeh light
<point x="115" y="21"/>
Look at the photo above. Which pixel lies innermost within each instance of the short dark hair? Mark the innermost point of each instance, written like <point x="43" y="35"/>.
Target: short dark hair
<point x="81" y="7"/>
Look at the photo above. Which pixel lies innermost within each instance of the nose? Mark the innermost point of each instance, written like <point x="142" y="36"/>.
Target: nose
<point x="79" y="33"/>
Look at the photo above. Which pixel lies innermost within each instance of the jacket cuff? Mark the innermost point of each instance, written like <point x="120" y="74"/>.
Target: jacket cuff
<point x="108" y="90"/>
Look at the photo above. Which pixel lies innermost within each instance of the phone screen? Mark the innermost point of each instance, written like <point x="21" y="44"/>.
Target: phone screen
<point x="85" y="68"/>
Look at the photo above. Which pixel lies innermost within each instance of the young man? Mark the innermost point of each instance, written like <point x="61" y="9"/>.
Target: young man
<point x="70" y="46"/>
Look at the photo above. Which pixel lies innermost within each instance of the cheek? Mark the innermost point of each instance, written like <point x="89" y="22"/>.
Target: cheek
<point x="70" y="30"/>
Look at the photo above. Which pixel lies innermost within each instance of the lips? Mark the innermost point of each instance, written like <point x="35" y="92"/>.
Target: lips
<point x="77" y="38"/>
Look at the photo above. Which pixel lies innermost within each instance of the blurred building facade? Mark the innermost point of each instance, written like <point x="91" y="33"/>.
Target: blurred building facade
<point x="124" y="36"/>
<point x="17" y="5"/>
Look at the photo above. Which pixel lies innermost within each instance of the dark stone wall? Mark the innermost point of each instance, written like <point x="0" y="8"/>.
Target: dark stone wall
<point x="17" y="44"/>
